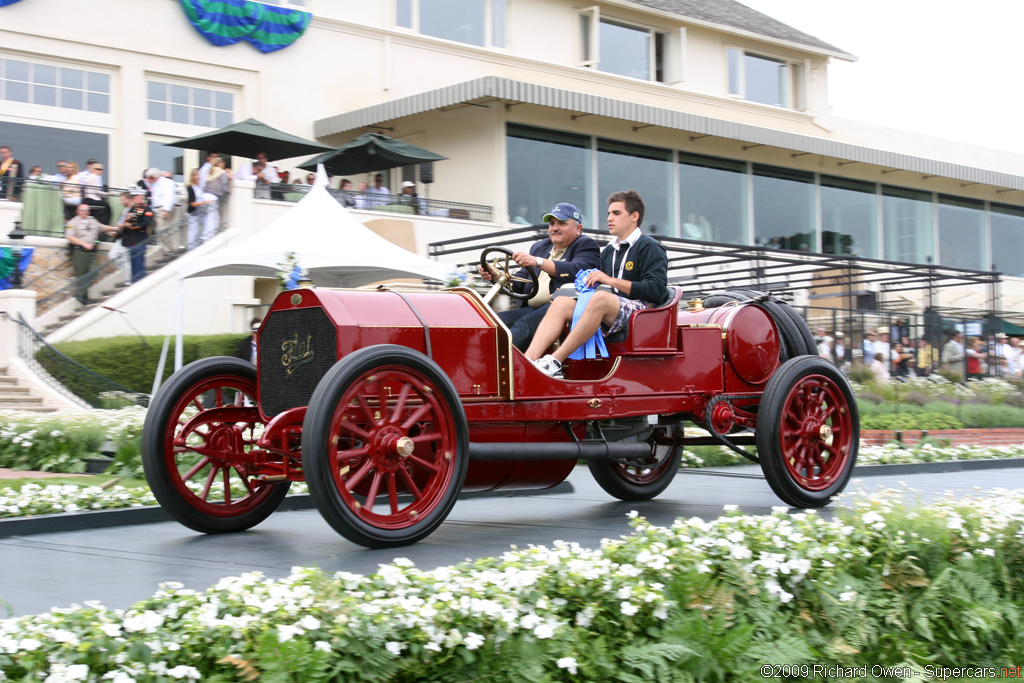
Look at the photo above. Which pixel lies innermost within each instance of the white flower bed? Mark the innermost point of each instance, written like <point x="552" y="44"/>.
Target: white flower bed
<point x="563" y="604"/>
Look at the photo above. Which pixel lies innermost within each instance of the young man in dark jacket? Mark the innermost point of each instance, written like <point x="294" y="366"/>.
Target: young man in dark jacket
<point x="634" y="265"/>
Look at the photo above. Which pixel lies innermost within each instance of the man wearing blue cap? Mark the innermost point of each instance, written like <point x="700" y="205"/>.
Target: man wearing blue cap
<point x="556" y="259"/>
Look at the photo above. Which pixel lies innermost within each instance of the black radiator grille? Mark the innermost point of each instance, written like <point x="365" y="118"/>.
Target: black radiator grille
<point x="296" y="349"/>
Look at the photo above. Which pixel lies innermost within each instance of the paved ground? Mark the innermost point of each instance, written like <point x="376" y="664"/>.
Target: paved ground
<point x="6" y="473"/>
<point x="121" y="565"/>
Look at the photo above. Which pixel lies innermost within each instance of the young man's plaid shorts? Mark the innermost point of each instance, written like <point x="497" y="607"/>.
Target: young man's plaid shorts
<point x="626" y="308"/>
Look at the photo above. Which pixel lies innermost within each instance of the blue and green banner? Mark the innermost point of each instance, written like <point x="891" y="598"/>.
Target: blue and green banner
<point x="8" y="262"/>
<point x="226" y="22"/>
<point x="5" y="3"/>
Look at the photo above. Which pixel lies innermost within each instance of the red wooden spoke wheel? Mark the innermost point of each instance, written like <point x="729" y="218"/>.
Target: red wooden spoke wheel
<point x="808" y="432"/>
<point x="385" y="446"/>
<point x="638" y="480"/>
<point x="196" y="447"/>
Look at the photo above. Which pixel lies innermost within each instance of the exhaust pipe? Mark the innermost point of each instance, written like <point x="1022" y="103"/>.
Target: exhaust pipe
<point x="585" y="450"/>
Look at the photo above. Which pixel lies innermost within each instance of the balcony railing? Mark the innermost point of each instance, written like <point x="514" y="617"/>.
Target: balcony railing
<point x="389" y="203"/>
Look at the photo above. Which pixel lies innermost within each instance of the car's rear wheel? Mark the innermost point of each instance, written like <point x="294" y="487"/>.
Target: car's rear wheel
<point x="638" y="479"/>
<point x="195" y="448"/>
<point x="808" y="431"/>
<point x="385" y="446"/>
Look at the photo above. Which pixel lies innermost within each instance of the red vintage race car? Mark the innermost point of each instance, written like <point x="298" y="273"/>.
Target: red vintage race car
<point x="390" y="403"/>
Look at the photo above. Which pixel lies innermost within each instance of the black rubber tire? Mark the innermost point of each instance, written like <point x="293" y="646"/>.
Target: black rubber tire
<point x="612" y="477"/>
<point x="770" y="426"/>
<point x="318" y="439"/>
<point x="184" y="507"/>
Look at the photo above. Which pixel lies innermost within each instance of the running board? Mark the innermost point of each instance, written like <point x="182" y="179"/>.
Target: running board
<point x="584" y="450"/>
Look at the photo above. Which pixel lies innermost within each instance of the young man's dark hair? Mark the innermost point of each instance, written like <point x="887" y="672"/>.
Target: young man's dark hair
<point x="633" y="202"/>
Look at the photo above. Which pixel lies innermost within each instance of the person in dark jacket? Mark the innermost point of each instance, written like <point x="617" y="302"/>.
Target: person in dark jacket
<point x="247" y="347"/>
<point x="556" y="258"/>
<point x="633" y="265"/>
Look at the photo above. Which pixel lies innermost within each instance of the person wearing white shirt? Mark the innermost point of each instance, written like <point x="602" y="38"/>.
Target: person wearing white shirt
<point x="377" y="194"/>
<point x="162" y="197"/>
<point x="204" y="170"/>
<point x="262" y="172"/>
<point x="1015" y="358"/>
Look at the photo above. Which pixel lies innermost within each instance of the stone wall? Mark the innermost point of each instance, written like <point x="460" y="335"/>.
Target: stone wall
<point x="969" y="437"/>
<point x="51" y="269"/>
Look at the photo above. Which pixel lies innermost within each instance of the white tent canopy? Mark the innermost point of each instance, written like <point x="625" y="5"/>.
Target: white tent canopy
<point x="334" y="248"/>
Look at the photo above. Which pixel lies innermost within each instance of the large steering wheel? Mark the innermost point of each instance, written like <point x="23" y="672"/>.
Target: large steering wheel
<point x="500" y="267"/>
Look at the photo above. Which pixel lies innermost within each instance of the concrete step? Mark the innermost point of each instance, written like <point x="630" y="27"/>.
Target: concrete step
<point x="33" y="408"/>
<point x="22" y="403"/>
<point x="7" y="381"/>
<point x="12" y="390"/>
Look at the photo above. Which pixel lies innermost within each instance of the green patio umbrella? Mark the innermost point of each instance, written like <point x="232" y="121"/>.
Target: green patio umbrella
<point x="248" y="138"/>
<point x="370" y="152"/>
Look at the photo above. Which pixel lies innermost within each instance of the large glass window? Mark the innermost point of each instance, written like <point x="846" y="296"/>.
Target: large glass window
<point x="1007" y="237"/>
<point x="44" y="146"/>
<point x="54" y="86"/>
<point x="713" y="199"/>
<point x="961" y="233"/>
<point x="475" y="22"/>
<point x="849" y="217"/>
<point x="907" y="225"/>
<point x="546" y="167"/>
<point x="622" y="48"/>
<point x="648" y="170"/>
<point x="758" y="78"/>
<point x="193" y="106"/>
<point x="783" y="208"/>
<point x="167" y="159"/>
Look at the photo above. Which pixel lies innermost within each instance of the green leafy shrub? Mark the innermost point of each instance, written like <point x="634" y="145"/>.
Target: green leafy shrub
<point x="61" y="442"/>
<point x="980" y="416"/>
<point x="870" y="397"/>
<point x="861" y="374"/>
<point x="1016" y="399"/>
<point x="125" y="361"/>
<point x="905" y="421"/>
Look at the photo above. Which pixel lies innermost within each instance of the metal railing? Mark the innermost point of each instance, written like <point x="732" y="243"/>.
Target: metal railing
<point x="68" y="376"/>
<point x="41" y="198"/>
<point x="167" y="244"/>
<point x="390" y="203"/>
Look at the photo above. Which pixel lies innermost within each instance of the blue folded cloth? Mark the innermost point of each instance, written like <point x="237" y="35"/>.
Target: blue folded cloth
<point x="595" y="345"/>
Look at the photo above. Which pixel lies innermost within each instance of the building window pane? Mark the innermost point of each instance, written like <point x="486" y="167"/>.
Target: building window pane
<point x="535" y="184"/>
<point x="907" y="225"/>
<point x="1007" y="236"/>
<point x="735" y="58"/>
<point x="71" y="99"/>
<point x="72" y="78"/>
<point x="849" y="217"/>
<point x="403" y="13"/>
<point x="783" y="208"/>
<point x="712" y="199"/>
<point x="459" y="20"/>
<point x="961" y="233"/>
<point x="98" y="82"/>
<point x="16" y="92"/>
<point x="224" y="101"/>
<point x="189" y="105"/>
<point x="626" y="50"/>
<point x="166" y="159"/>
<point x="765" y="80"/>
<point x="499" y="9"/>
<point x="45" y="95"/>
<point x="98" y="102"/>
<point x="44" y="75"/>
<point x="16" y="71"/>
<point x="45" y="146"/>
<point x="648" y="170"/>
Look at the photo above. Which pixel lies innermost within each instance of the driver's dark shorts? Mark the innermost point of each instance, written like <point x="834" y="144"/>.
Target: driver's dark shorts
<point x="626" y="308"/>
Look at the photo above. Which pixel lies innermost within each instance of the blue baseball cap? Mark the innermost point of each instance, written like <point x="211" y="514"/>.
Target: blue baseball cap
<point x="563" y="212"/>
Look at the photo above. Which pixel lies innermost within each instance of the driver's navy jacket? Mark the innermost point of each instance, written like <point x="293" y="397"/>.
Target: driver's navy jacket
<point x="582" y="254"/>
<point x="646" y="266"/>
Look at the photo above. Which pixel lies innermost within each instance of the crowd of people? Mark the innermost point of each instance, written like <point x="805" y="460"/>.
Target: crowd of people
<point x="896" y="353"/>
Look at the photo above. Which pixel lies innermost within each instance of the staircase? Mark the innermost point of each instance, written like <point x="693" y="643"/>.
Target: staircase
<point x="15" y="396"/>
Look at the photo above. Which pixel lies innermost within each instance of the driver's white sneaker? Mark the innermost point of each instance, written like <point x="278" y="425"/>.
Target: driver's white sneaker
<point x="549" y="365"/>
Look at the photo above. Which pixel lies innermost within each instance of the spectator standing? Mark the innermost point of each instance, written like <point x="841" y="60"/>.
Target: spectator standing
<point x="927" y="358"/>
<point x="137" y="224"/>
<point x="1014" y="358"/>
<point x="410" y="198"/>
<point x="868" y="347"/>
<point x="882" y="345"/>
<point x="71" y="190"/>
<point x="12" y="174"/>
<point x="81" y="232"/>
<point x="361" y="201"/>
<point x="219" y="178"/>
<point x="840" y="350"/>
<point x="162" y="197"/>
<point x="262" y="172"/>
<point x="880" y="367"/>
<point x="200" y="227"/>
<point x="118" y="252"/>
<point x="348" y="198"/>
<point x="94" y="192"/>
<point x="377" y="194"/>
<point x="976" y="358"/>
<point x="204" y="170"/>
<point x="35" y="173"/>
<point x="61" y="175"/>
<point x="247" y="347"/>
<point x="953" y="354"/>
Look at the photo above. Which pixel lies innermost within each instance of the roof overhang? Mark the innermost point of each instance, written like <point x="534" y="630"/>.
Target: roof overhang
<point x="510" y="90"/>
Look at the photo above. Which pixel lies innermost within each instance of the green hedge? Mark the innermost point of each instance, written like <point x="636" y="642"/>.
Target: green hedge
<point x="905" y="421"/>
<point x="126" y="361"/>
